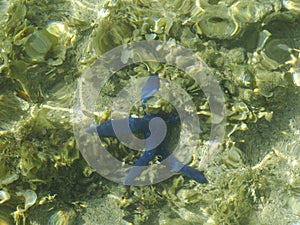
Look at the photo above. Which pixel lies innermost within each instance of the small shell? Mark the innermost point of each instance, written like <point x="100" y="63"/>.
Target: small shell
<point x="279" y="37"/>
<point x="30" y="198"/>
<point x="10" y="179"/>
<point x="4" y="196"/>
<point x="277" y="49"/>
<point x="239" y="111"/>
<point x="111" y="34"/>
<point x="296" y="78"/>
<point x="39" y="44"/>
<point x="162" y="25"/>
<point x="58" y="29"/>
<point x="291" y="5"/>
<point x="215" y="22"/>
<point x="253" y="11"/>
<point x="233" y="157"/>
<point x="242" y="76"/>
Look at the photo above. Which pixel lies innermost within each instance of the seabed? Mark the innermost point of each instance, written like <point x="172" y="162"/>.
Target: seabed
<point x="251" y="47"/>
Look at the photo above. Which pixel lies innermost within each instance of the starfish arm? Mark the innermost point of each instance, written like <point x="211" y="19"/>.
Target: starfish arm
<point x="106" y="129"/>
<point x="138" y="167"/>
<point x="186" y="170"/>
<point x="143" y="161"/>
<point x="150" y="87"/>
<point x="193" y="174"/>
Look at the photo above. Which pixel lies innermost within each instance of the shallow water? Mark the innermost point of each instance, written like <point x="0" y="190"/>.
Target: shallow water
<point x="250" y="48"/>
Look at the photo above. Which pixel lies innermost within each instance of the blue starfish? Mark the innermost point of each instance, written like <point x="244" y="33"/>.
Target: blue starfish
<point x="141" y="125"/>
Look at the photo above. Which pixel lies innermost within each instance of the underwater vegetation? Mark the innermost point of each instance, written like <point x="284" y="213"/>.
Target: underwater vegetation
<point x="251" y="47"/>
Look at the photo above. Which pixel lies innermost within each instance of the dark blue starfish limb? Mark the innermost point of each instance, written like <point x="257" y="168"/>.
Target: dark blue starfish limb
<point x="150" y="87"/>
<point x="193" y="174"/>
<point x="171" y="162"/>
<point x="106" y="129"/>
<point x="144" y="160"/>
<point x="176" y="166"/>
<point x="138" y="168"/>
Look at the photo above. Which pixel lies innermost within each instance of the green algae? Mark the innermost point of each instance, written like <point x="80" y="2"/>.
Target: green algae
<point x="254" y="178"/>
